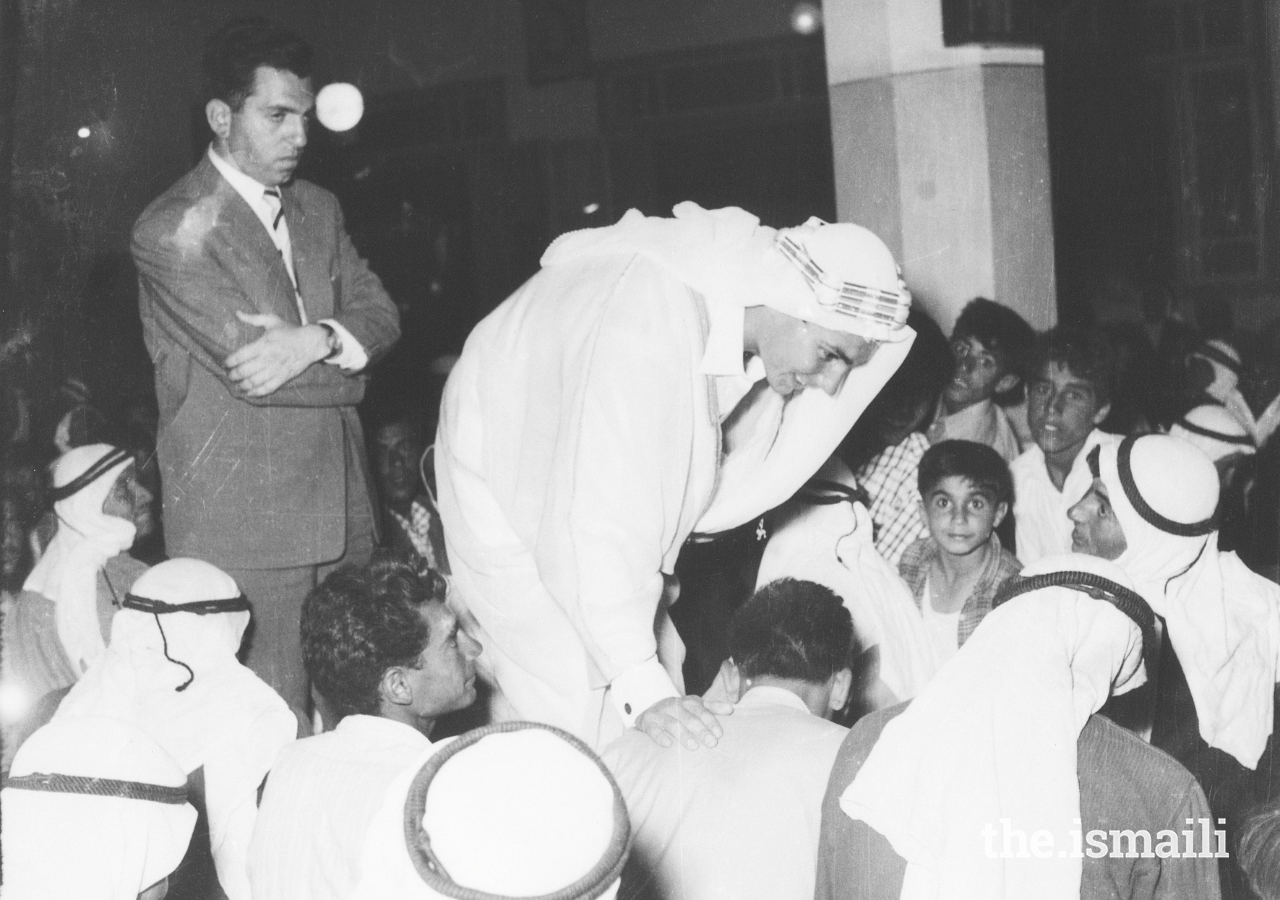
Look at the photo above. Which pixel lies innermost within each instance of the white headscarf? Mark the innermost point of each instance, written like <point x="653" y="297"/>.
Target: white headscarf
<point x="993" y="737"/>
<point x="1224" y="361"/>
<point x="67" y="573"/>
<point x="511" y="810"/>
<point x="225" y="718"/>
<point x="734" y="262"/>
<point x="1212" y="429"/>
<point x="108" y="846"/>
<point x="1223" y="620"/>
<point x="816" y="271"/>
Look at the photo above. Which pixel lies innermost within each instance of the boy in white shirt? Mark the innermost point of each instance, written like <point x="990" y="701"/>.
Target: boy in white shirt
<point x="1068" y="396"/>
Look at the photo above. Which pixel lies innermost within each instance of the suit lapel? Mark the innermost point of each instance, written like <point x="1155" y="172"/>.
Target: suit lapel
<point x="266" y="280"/>
<point x="306" y="236"/>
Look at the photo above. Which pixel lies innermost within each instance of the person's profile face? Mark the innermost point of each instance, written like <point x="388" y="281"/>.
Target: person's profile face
<point x="799" y="355"/>
<point x="1096" y="531"/>
<point x="266" y="136"/>
<point x="1062" y="409"/>
<point x="445" y="678"/>
<point x="130" y="500"/>
<point x="961" y="515"/>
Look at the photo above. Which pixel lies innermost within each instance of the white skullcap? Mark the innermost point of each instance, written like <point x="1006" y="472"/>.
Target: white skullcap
<point x="517" y="810"/>
<point x="1213" y="430"/>
<point x="852" y="275"/>
<point x="180" y="582"/>
<point x="94" y="808"/>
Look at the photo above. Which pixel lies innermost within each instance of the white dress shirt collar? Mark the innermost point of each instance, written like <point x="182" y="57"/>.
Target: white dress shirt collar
<point x="249" y="188"/>
<point x="381" y="729"/>
<point x="771" y="695"/>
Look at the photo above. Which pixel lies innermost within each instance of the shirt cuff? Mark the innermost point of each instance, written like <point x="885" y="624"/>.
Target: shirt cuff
<point x="353" y="357"/>
<point x="638" y="688"/>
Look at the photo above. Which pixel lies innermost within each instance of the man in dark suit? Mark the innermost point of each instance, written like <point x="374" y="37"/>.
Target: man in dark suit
<point x="259" y="316"/>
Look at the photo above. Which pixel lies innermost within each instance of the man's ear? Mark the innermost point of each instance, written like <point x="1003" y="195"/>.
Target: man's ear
<point x="840" y="682"/>
<point x="1008" y="381"/>
<point x="1002" y="510"/>
<point x="728" y="684"/>
<point x="218" y="114"/>
<point x="1101" y="414"/>
<point x="394" y="688"/>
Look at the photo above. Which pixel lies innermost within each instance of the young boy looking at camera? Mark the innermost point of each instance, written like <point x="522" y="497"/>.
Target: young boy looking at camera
<point x="991" y="345"/>
<point x="954" y="573"/>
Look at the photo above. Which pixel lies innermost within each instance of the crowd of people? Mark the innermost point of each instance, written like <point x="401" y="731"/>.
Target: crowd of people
<point x="989" y="615"/>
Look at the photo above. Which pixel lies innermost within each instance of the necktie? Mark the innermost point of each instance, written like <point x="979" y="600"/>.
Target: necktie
<point x="277" y="205"/>
<point x="280" y="237"/>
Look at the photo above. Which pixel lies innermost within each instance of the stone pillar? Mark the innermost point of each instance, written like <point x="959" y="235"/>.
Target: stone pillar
<point x="943" y="152"/>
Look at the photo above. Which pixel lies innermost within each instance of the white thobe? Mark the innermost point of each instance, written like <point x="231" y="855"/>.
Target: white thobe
<point x="320" y="798"/>
<point x="579" y="446"/>
<point x="227" y="723"/>
<point x="738" y="821"/>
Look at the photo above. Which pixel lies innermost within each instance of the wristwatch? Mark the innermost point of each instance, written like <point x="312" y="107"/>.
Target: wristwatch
<point x="335" y="342"/>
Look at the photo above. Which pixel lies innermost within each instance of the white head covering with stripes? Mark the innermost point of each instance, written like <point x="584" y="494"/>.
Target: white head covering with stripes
<point x="840" y="276"/>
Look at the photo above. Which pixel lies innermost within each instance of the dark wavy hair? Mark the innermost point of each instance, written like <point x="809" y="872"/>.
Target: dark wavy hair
<point x="980" y="465"/>
<point x="234" y="52"/>
<point x="1002" y="333"/>
<point x="361" y="621"/>
<point x="791" y="629"/>
<point x="1085" y="354"/>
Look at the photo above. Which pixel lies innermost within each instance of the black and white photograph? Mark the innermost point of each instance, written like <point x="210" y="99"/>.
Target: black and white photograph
<point x="639" y="449"/>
